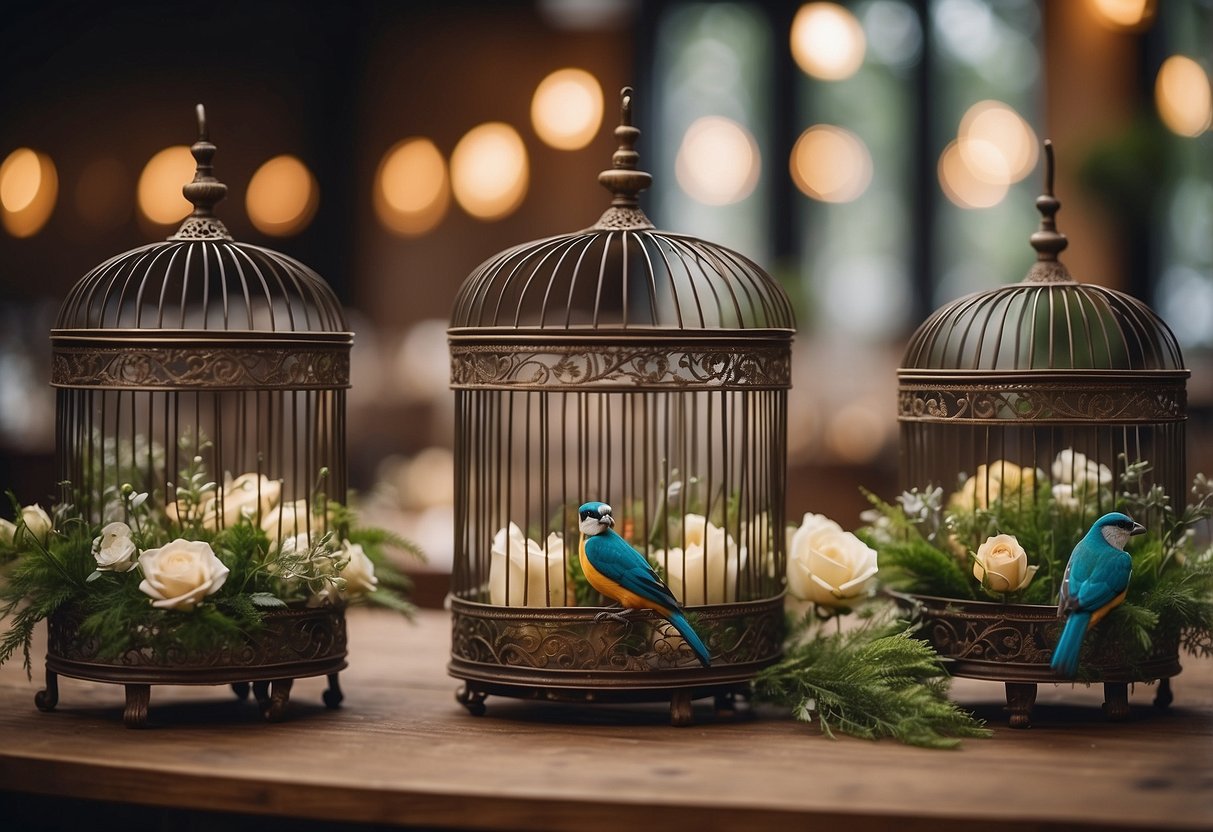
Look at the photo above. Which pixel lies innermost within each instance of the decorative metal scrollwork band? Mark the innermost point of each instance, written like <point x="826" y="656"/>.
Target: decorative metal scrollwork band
<point x="288" y="636"/>
<point x="157" y="368"/>
<point x="550" y="641"/>
<point x="1045" y="402"/>
<point x="619" y="367"/>
<point x="201" y="228"/>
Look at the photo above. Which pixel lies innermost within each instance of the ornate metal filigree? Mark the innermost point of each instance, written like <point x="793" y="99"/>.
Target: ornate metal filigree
<point x="201" y="228"/>
<point x="618" y="218"/>
<point x="1044" y="402"/>
<point x="287" y="637"/>
<point x="553" y="367"/>
<point x="553" y="640"/>
<point x="156" y="368"/>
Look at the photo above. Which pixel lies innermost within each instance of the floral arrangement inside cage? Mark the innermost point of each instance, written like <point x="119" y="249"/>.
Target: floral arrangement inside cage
<point x="201" y="535"/>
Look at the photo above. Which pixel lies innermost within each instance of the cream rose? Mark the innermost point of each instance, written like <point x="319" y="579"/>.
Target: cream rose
<point x="1001" y="564"/>
<point x="536" y="576"/>
<point x="8" y="530"/>
<point x="114" y="550"/>
<point x="180" y="574"/>
<point x="709" y="555"/>
<point x="289" y="519"/>
<point x="37" y="522"/>
<point x="998" y="480"/>
<point x="827" y="565"/>
<point x="357" y="570"/>
<point x="250" y="496"/>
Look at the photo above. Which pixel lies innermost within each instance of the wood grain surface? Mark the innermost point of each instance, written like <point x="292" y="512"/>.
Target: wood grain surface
<point x="401" y="751"/>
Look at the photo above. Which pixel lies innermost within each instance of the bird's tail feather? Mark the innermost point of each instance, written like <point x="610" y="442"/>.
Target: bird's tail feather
<point x="1065" y="654"/>
<point x="692" y="638"/>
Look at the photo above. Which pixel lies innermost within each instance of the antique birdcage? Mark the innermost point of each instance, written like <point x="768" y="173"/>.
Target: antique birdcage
<point x="1050" y="379"/>
<point x="650" y="371"/>
<point x="204" y="354"/>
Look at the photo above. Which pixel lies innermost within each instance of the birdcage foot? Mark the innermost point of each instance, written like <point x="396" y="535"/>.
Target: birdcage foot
<point x="137" y="699"/>
<point x="1020" y="698"/>
<point x="681" y="712"/>
<point x="47" y="699"/>
<point x="241" y="690"/>
<point x="1164" y="697"/>
<point x="280" y="694"/>
<point x="1116" y="701"/>
<point x="332" y="695"/>
<point x="471" y="699"/>
<point x="611" y="615"/>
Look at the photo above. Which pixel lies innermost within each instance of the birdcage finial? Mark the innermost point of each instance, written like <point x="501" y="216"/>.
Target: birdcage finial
<point x="623" y="179"/>
<point x="1048" y="241"/>
<point x="205" y="191"/>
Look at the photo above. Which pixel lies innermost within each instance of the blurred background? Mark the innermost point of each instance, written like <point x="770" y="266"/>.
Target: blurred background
<point x="878" y="157"/>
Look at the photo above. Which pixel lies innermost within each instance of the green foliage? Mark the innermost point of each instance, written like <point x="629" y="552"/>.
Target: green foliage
<point x="870" y="682"/>
<point x="1170" y="595"/>
<point x="64" y="575"/>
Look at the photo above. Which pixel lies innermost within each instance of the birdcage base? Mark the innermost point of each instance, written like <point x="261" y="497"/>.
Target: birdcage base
<point x="1013" y="643"/>
<point x="567" y="654"/>
<point x="293" y="644"/>
<point x="472" y="695"/>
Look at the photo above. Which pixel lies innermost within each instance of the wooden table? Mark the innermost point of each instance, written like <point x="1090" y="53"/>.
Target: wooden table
<point x="401" y="751"/>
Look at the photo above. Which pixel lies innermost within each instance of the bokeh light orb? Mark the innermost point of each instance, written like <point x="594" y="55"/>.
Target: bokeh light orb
<point x="827" y="41"/>
<point x="831" y="164"/>
<point x="1183" y="97"/>
<point x="566" y="110"/>
<point x="718" y="161"/>
<point x="412" y="190"/>
<point x="282" y="196"/>
<point x="490" y="171"/>
<point x="159" y="191"/>
<point x="29" y="188"/>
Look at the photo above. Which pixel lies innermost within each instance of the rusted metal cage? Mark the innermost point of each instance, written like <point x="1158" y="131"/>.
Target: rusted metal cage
<point x="645" y="369"/>
<point x="1044" y="377"/>
<point x="202" y="347"/>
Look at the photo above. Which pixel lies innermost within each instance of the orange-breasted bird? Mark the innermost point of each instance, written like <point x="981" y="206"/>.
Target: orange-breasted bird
<point x="621" y="573"/>
<point x="1095" y="583"/>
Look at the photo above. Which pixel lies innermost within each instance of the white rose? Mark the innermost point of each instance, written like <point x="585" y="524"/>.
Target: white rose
<point x="827" y="565"/>
<point x="114" y="550"/>
<point x="535" y="573"/>
<point x="710" y="555"/>
<point x="37" y="523"/>
<point x="1001" y="564"/>
<point x="359" y="569"/>
<point x="290" y="519"/>
<point x="248" y="496"/>
<point x="180" y="574"/>
<point x="8" y="530"/>
<point x="1078" y="470"/>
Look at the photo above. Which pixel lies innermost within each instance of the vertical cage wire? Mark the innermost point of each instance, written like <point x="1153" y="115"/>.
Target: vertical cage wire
<point x="650" y="371"/>
<point x="1022" y="374"/>
<point x="201" y="346"/>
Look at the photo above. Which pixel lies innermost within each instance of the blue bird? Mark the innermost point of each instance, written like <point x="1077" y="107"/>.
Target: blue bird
<point x="621" y="573"/>
<point x="1095" y="582"/>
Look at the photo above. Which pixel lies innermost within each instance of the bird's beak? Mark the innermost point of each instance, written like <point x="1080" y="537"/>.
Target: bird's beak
<point x="1138" y="528"/>
<point x="608" y="520"/>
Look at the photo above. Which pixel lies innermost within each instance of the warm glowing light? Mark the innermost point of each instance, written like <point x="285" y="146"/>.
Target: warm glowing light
<point x="962" y="186"/>
<point x="160" y="197"/>
<point x="1125" y="15"/>
<point x="567" y="109"/>
<point x="103" y="193"/>
<point x="282" y="197"/>
<point x="827" y="41"/>
<point x="856" y="433"/>
<point x="29" y="185"/>
<point x="412" y="191"/>
<point x="718" y="161"/>
<point x="831" y="164"/>
<point x="996" y="143"/>
<point x="1183" y="96"/>
<point x="489" y="171"/>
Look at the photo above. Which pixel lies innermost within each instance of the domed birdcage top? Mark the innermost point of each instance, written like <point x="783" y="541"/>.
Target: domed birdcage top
<point x="201" y="281"/>
<point x="1047" y="322"/>
<point x="621" y="275"/>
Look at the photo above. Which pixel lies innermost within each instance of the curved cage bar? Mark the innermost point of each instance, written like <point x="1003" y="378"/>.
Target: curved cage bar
<point x="201" y="348"/>
<point x="1049" y="376"/>
<point x="650" y="371"/>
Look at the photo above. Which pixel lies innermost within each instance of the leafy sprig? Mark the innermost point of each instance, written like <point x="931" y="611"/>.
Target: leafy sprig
<point x="870" y="682"/>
